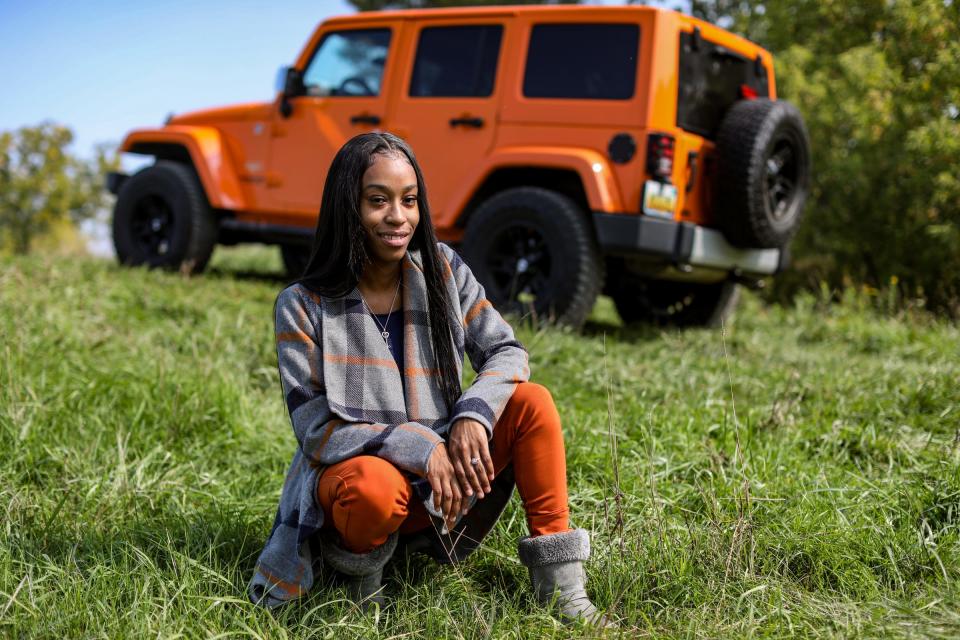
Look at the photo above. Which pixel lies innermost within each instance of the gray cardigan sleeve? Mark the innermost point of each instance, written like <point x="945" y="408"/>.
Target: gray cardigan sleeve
<point x="499" y="360"/>
<point x="323" y="437"/>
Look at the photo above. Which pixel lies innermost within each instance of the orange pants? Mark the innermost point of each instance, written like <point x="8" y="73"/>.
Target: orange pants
<point x="366" y="498"/>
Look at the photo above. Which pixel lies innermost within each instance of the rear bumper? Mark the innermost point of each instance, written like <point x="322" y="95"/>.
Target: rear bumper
<point x="681" y="244"/>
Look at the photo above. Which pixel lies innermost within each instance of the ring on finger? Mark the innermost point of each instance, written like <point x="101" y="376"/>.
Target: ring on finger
<point x="474" y="461"/>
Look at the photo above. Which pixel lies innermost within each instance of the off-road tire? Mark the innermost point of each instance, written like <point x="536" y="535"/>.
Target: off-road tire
<point x="562" y="271"/>
<point x="763" y="172"/>
<point x="678" y="304"/>
<point x="162" y="219"/>
<point x="295" y="258"/>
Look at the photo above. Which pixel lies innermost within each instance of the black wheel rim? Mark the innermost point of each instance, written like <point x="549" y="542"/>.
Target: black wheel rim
<point x="782" y="173"/>
<point x="520" y="265"/>
<point x="153" y="228"/>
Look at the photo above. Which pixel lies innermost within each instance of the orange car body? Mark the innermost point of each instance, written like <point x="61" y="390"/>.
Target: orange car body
<point x="266" y="169"/>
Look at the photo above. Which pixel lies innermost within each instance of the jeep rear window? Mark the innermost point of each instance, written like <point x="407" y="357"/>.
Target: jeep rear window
<point x="456" y="61"/>
<point x="582" y="61"/>
<point x="710" y="81"/>
<point x="348" y="63"/>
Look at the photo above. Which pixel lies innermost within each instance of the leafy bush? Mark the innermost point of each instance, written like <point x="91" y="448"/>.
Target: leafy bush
<point x="876" y="82"/>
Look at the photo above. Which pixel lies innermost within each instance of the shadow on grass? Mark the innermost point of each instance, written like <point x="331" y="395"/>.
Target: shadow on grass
<point x="493" y="575"/>
<point x="219" y="548"/>
<point x="226" y="543"/>
<point x="632" y="334"/>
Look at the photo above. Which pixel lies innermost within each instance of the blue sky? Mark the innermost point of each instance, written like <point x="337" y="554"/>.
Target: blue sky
<point x="108" y="66"/>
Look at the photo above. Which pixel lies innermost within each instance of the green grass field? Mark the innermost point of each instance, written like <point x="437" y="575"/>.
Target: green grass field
<point x="795" y="475"/>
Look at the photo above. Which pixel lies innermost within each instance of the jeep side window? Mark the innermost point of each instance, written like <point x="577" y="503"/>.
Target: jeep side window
<point x="586" y="61"/>
<point x="710" y="82"/>
<point x="348" y="63"/>
<point x="456" y="61"/>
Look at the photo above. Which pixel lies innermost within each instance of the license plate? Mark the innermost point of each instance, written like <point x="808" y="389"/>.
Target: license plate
<point x="659" y="199"/>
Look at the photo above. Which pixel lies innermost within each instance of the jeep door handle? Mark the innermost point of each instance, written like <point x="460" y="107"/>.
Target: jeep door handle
<point x="365" y="118"/>
<point x="476" y="123"/>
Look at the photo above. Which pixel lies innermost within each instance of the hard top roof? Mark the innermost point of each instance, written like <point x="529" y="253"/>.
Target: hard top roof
<point x="466" y="12"/>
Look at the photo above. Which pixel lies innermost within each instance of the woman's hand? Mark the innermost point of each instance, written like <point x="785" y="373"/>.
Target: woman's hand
<point x="468" y="442"/>
<point x="446" y="490"/>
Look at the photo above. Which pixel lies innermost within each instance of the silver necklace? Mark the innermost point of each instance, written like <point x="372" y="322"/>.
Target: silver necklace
<point x="383" y="327"/>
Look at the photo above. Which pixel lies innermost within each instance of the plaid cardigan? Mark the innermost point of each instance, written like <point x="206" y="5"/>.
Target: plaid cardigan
<point x="344" y="397"/>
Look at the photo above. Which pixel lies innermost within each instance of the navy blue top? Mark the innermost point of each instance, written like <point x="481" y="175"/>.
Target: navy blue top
<point x="421" y="486"/>
<point x="395" y="327"/>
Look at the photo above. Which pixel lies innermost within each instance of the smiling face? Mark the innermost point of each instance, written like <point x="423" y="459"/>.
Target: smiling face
<point x="389" y="211"/>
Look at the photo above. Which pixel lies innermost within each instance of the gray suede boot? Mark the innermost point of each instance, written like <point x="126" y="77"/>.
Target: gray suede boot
<point x="556" y="571"/>
<point x="363" y="571"/>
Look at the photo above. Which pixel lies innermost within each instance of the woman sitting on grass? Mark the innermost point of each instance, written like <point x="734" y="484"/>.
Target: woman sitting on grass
<point x="370" y="344"/>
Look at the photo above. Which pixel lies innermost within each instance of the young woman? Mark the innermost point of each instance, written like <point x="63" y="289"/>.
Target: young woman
<point x="370" y="346"/>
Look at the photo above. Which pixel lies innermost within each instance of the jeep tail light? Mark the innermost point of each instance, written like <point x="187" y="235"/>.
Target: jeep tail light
<point x="660" y="156"/>
<point x="747" y="92"/>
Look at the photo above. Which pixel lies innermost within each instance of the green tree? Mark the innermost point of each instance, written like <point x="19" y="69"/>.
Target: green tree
<point x="42" y="184"/>
<point x="877" y="84"/>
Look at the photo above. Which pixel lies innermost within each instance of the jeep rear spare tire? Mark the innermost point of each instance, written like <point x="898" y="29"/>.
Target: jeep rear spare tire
<point x="162" y="219"/>
<point x="533" y="251"/>
<point x="763" y="172"/>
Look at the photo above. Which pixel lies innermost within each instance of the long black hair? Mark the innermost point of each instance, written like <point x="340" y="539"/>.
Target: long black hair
<point x="339" y="252"/>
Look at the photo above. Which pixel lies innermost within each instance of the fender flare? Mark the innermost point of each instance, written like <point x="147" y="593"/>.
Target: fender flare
<point x="208" y="152"/>
<point x="596" y="174"/>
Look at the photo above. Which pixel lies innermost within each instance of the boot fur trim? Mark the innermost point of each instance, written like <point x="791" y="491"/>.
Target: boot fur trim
<point x="357" y="564"/>
<point x="566" y="546"/>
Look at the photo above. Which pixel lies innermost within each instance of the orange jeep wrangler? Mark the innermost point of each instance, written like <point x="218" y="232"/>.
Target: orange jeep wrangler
<point x="568" y="151"/>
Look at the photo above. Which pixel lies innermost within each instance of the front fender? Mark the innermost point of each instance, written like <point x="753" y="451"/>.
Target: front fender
<point x="594" y="170"/>
<point x="207" y="150"/>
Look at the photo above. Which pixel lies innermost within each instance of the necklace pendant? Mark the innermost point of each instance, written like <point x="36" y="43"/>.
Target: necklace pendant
<point x="386" y="337"/>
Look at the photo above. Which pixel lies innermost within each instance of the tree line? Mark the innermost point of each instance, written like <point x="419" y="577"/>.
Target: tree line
<point x="44" y="186"/>
<point x="877" y="82"/>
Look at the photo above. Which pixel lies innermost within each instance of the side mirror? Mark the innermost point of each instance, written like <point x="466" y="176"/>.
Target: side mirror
<point x="289" y="83"/>
<point x="280" y="82"/>
<point x="292" y="82"/>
